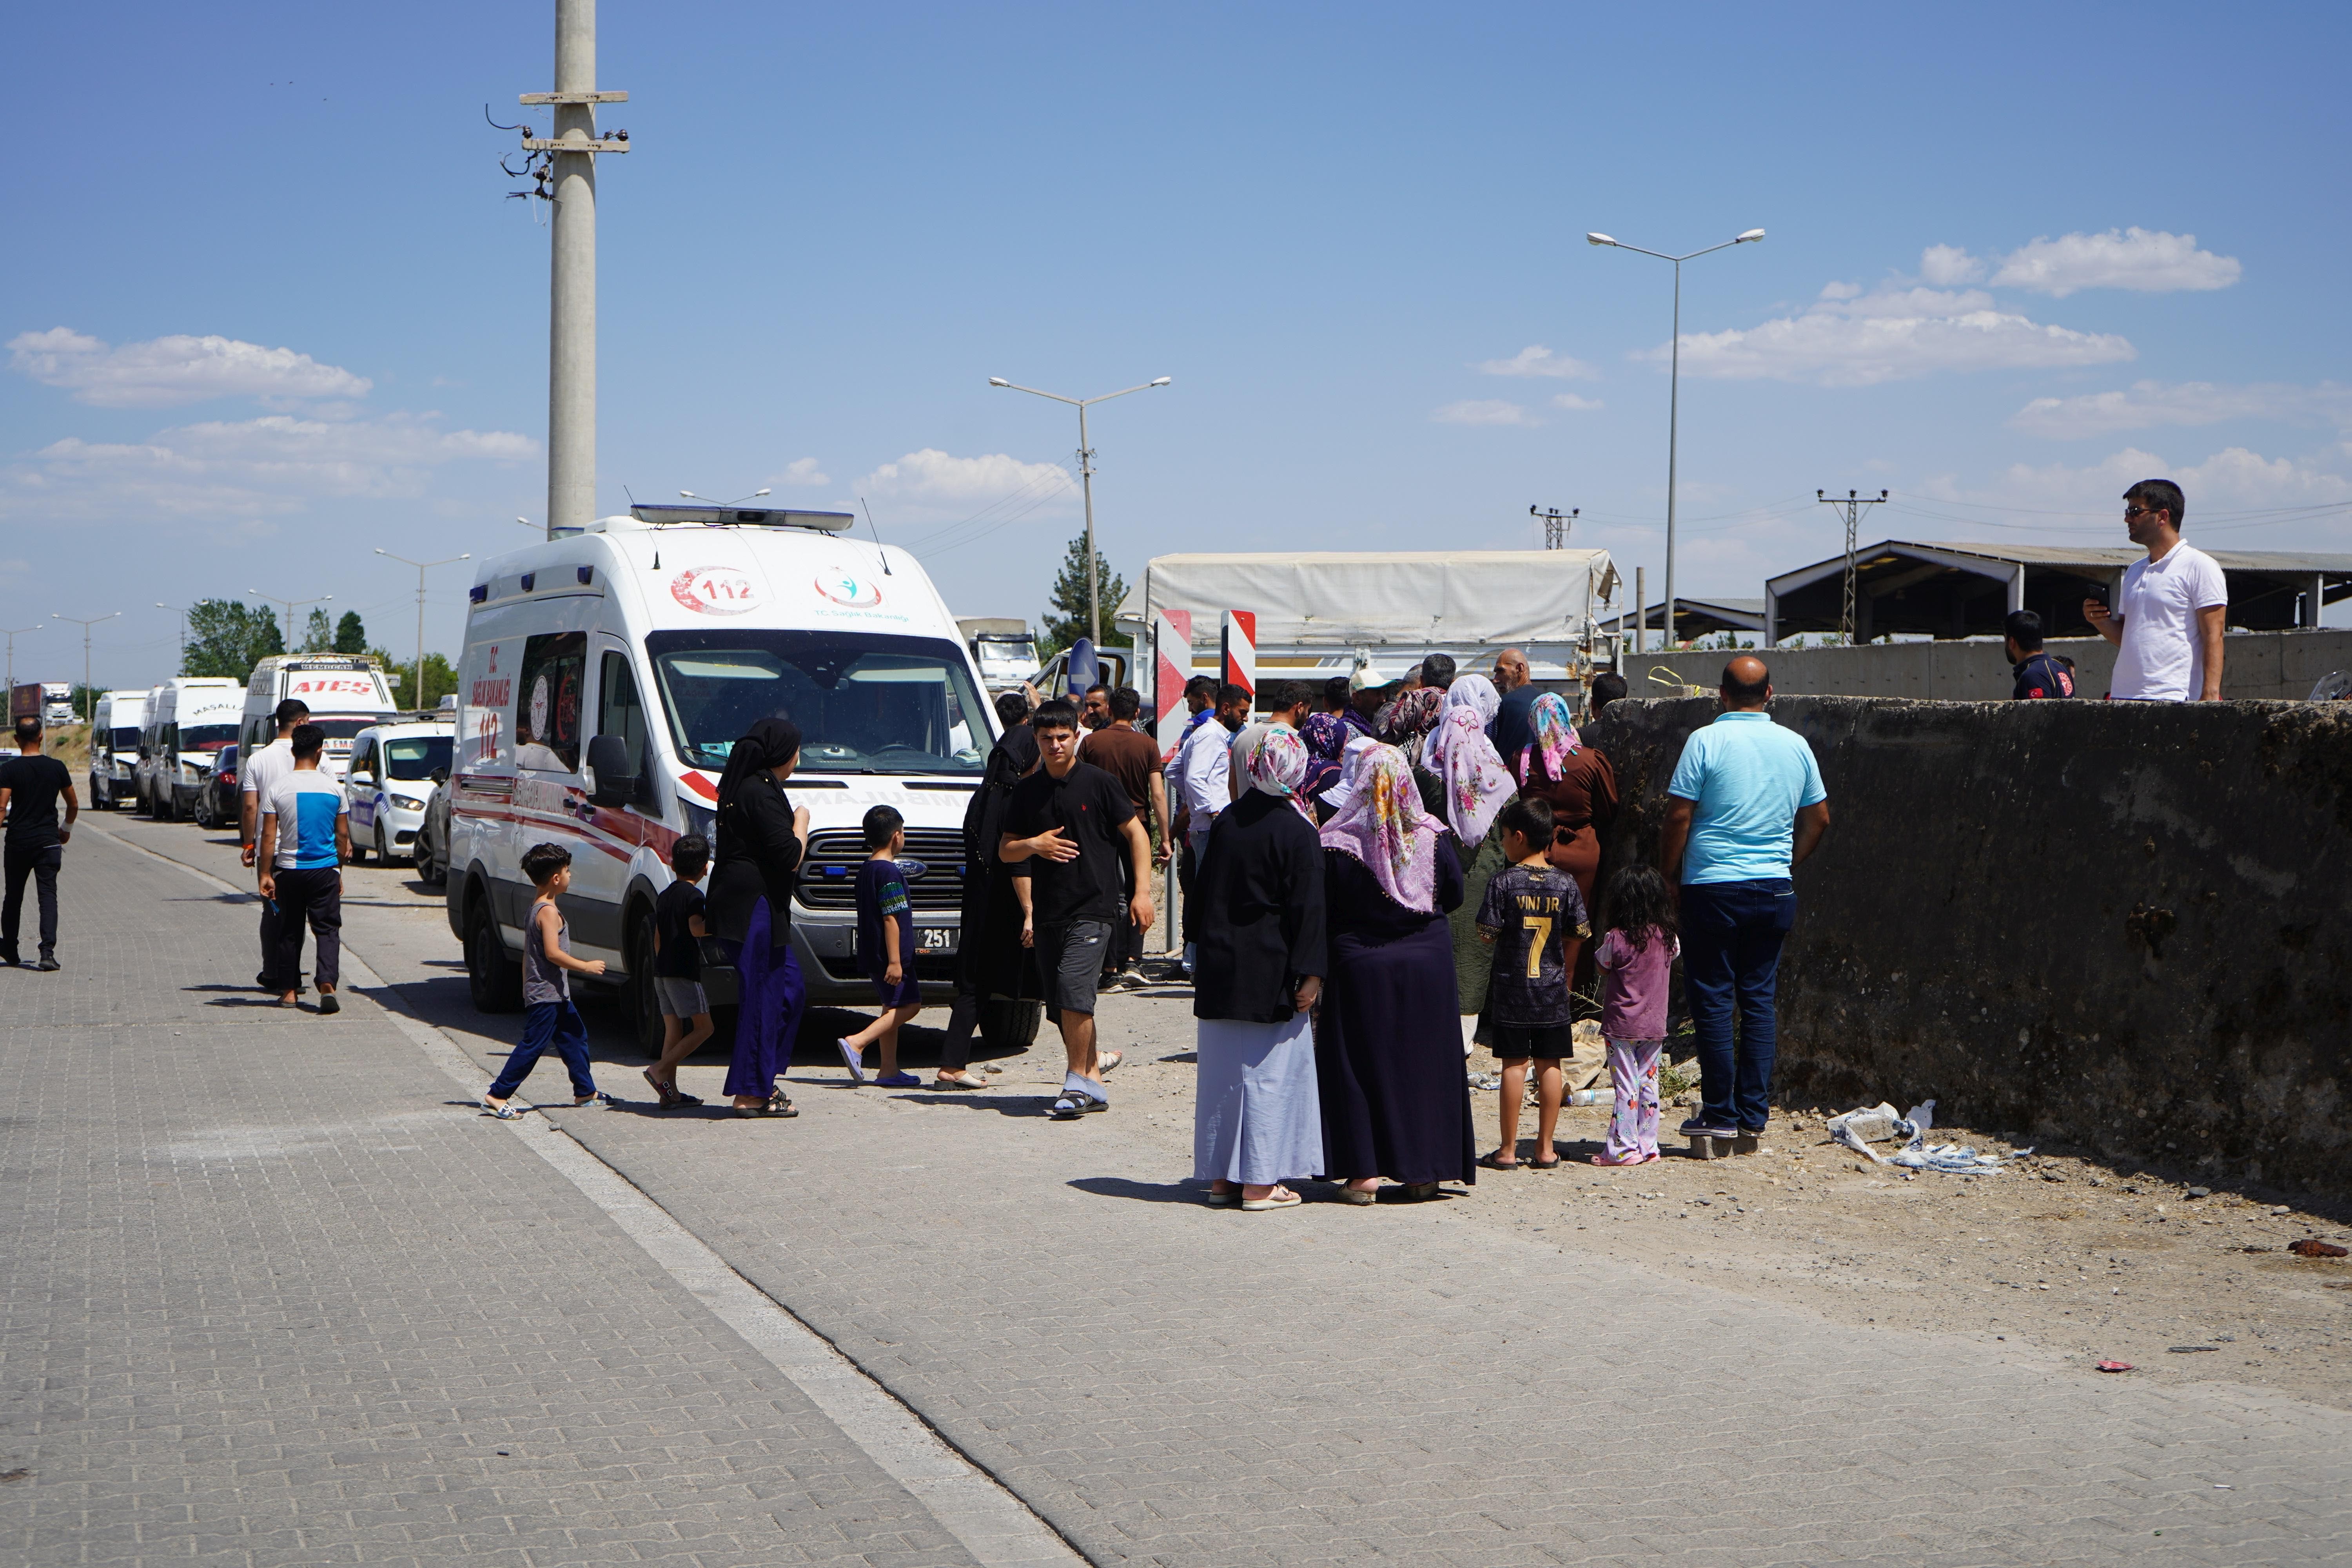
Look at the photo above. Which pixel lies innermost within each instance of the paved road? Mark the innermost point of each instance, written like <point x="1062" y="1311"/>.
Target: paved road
<point x="1160" y="1381"/>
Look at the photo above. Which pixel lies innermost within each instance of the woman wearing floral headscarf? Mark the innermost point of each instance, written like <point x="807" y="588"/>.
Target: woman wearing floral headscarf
<point x="1325" y="734"/>
<point x="1476" y="786"/>
<point x="1256" y="1122"/>
<point x="1579" y="786"/>
<point x="1386" y="1053"/>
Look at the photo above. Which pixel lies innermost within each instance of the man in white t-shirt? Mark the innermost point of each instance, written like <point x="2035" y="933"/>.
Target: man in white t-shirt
<point x="2166" y="622"/>
<point x="257" y="776"/>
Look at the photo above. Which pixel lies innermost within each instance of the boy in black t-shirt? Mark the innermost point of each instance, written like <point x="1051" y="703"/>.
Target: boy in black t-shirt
<point x="1531" y="910"/>
<point x="1066" y="827"/>
<point x="886" y="948"/>
<point x="30" y="786"/>
<point x="678" y="927"/>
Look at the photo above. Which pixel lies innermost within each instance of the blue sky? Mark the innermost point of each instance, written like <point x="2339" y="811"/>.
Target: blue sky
<point x="2018" y="257"/>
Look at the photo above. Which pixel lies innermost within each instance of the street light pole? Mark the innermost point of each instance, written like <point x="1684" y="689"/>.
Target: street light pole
<point x="12" y="636"/>
<point x="181" y="611"/>
<point x="1674" y="388"/>
<point x="89" y="703"/>
<point x="291" y="605"/>
<point x="421" y="567"/>
<point x="1086" y="481"/>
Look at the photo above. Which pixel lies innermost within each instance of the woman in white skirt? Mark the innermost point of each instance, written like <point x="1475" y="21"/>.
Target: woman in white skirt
<point x="1259" y="895"/>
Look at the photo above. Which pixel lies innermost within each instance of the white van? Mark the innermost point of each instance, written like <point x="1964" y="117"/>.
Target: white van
<point x="191" y="718"/>
<point x="114" y="737"/>
<point x="607" y="674"/>
<point x="345" y="692"/>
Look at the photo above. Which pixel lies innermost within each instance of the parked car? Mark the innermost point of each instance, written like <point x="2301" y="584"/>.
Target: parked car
<point x="390" y="782"/>
<point x="216" y="801"/>
<point x="432" y="855"/>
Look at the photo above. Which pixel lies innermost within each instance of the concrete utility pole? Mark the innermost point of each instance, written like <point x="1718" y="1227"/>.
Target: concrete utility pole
<point x="12" y="636"/>
<point x="1556" y="525"/>
<point x="572" y="273"/>
<point x="89" y="702"/>
<point x="1854" y="503"/>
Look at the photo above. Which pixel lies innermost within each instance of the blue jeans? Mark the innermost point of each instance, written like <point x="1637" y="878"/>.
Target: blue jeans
<point x="1732" y="933"/>
<point x="546" y="1024"/>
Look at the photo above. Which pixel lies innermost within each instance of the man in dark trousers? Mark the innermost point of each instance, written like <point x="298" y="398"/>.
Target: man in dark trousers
<point x="34" y="844"/>
<point x="1065" y="831"/>
<point x="2039" y="674"/>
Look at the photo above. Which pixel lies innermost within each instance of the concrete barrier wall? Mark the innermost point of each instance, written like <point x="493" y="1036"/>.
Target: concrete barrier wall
<point x="2281" y="665"/>
<point x="2124" y="926"/>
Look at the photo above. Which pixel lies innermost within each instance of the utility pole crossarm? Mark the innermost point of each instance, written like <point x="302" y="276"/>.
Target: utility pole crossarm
<point x="538" y="97"/>
<point x="1854" y="502"/>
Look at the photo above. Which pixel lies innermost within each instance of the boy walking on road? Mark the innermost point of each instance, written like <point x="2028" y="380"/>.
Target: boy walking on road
<point x="886" y="949"/>
<point x="30" y="784"/>
<point x="679" y="927"/>
<point x="549" y="1018"/>
<point x="1066" y="828"/>
<point x="306" y="837"/>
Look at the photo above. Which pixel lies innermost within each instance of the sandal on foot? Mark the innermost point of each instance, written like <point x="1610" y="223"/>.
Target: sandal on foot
<point x="957" y="1083"/>
<point x="1551" y="1164"/>
<point x="1359" y="1195"/>
<point x="666" y="1092"/>
<point x="1280" y="1198"/>
<point x="1229" y="1198"/>
<point x="1106" y="1061"/>
<point x="1607" y="1163"/>
<point x="1495" y="1163"/>
<point x="503" y="1112"/>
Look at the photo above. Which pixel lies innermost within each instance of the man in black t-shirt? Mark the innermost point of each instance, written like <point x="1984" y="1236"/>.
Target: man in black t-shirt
<point x="1066" y="828"/>
<point x="33" y="845"/>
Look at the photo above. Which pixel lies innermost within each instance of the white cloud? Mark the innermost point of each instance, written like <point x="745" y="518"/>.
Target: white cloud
<point x="2235" y="479"/>
<point x="1891" y="334"/>
<point x="2147" y="260"/>
<point x="1948" y="265"/>
<point x="1574" y="404"/>
<point x="1538" y="360"/>
<point x="1483" y="411"/>
<point x="932" y="478"/>
<point x="163" y="371"/>
<point x="276" y="464"/>
<point x="801" y="471"/>
<point x="2150" y="404"/>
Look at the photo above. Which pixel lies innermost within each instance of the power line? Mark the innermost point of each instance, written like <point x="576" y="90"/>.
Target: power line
<point x="1854" y="503"/>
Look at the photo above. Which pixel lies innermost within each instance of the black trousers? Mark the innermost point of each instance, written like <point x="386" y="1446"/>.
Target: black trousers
<point x="1185" y="869"/>
<point x="313" y="898"/>
<point x="40" y="862"/>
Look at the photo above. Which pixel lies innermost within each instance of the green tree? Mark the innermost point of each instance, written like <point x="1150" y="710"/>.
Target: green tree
<point x="227" y="638"/>
<point x="351" y="633"/>
<point x="1066" y="620"/>
<point x="318" y="633"/>
<point x="440" y="679"/>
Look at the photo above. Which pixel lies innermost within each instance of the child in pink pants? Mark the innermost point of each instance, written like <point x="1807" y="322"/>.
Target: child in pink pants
<point x="1636" y="959"/>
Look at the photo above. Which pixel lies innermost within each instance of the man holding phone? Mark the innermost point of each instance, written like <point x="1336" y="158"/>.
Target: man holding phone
<point x="2166" y="623"/>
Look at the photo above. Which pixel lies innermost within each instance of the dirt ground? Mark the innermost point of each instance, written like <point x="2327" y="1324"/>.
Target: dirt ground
<point x="2084" y="1259"/>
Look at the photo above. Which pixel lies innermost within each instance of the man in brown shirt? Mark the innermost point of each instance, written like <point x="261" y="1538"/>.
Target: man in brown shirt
<point x="1131" y="757"/>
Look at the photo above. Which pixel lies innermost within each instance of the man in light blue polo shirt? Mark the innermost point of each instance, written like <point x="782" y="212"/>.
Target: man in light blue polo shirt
<point x="1747" y="805"/>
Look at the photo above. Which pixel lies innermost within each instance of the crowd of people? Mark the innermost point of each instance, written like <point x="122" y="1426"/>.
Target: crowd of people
<point x="1374" y="872"/>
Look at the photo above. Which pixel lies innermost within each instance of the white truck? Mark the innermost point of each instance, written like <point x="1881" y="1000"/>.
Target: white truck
<point x="1322" y="614"/>
<point x="114" y="737"/>
<point x="1002" y="648"/>
<point x="605" y="677"/>
<point x="344" y="692"/>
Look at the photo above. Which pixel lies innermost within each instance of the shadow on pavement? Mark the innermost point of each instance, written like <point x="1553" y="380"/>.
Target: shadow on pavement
<point x="1141" y="1192"/>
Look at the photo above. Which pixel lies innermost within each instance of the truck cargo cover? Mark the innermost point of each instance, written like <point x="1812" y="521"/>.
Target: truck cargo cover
<point x="1367" y="599"/>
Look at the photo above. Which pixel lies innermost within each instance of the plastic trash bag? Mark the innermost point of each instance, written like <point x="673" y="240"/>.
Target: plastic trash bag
<point x="1860" y="1128"/>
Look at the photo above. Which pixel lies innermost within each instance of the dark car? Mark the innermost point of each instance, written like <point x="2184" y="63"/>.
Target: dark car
<point x="432" y="852"/>
<point x="216" y="801"/>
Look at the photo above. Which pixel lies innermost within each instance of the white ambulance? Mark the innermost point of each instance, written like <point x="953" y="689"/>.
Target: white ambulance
<point x="607" y="674"/>
<point x="344" y="692"/>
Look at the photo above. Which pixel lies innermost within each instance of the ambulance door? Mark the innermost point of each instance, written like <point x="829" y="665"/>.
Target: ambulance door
<point x="553" y="706"/>
<point x="620" y="827"/>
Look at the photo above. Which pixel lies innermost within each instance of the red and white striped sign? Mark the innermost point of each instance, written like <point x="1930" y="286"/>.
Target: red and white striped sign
<point x="1171" y="667"/>
<point x="1237" y="638"/>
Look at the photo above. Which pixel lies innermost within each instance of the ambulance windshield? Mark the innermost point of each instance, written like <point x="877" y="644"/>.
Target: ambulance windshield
<point x="864" y="704"/>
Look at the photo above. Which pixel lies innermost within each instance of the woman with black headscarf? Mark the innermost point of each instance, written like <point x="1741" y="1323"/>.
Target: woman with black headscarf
<point x="761" y="838"/>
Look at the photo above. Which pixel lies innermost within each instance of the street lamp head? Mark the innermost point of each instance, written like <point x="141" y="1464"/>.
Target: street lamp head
<point x="689" y="495"/>
<point x="1751" y="233"/>
<point x="761" y="492"/>
<point x="1598" y="240"/>
<point x="998" y="381"/>
<point x="380" y="551"/>
<point x="1163" y="381"/>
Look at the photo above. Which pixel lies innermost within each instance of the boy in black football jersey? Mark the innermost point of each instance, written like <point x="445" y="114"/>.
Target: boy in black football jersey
<point x="1531" y="910"/>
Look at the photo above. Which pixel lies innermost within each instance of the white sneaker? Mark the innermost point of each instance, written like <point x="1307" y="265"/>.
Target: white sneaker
<point x="849" y="1058"/>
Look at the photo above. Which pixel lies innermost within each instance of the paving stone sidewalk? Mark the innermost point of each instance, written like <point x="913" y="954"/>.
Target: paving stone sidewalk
<point x="1173" y="1385"/>
<point x="268" y="1298"/>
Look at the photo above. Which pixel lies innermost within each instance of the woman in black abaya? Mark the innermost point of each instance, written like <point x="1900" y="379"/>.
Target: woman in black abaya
<point x="762" y="839"/>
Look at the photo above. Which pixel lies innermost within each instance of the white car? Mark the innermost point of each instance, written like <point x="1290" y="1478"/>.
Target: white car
<point x="394" y="770"/>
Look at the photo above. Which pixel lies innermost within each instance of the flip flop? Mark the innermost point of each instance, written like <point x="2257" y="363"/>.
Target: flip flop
<point x="1280" y="1198"/>
<point x="1491" y="1162"/>
<point x="1551" y="1164"/>
<point x="503" y="1112"/>
<point x="1109" y="1060"/>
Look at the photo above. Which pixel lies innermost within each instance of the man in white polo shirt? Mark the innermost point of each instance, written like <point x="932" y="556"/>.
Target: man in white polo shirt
<point x="2166" y="622"/>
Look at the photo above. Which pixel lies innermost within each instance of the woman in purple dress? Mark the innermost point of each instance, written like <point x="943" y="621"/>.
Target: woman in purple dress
<point x="1388" y="1048"/>
<point x="761" y="838"/>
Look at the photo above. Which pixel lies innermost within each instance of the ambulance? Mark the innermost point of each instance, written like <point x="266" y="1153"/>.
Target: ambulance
<point x="345" y="693"/>
<point x="607" y="673"/>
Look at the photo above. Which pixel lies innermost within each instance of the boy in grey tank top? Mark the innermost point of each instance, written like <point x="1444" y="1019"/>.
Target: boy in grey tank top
<point x="549" y="1016"/>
